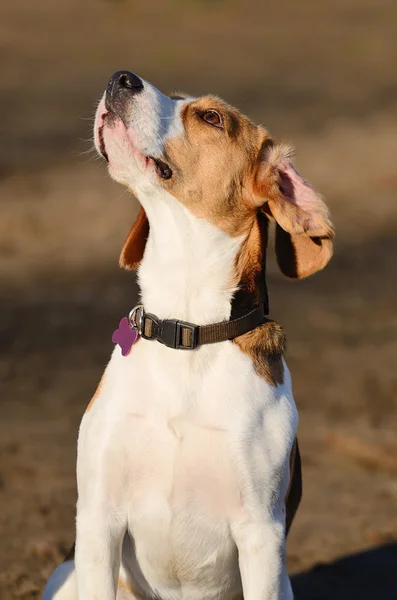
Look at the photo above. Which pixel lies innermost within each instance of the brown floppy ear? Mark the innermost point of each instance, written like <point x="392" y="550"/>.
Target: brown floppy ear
<point x="134" y="246"/>
<point x="304" y="231"/>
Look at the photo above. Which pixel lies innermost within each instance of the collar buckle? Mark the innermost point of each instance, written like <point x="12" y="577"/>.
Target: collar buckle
<point x="179" y="335"/>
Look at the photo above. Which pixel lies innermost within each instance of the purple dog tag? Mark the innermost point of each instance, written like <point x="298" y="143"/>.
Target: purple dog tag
<point x="125" y="336"/>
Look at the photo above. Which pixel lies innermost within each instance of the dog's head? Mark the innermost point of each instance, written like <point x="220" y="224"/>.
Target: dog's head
<point x="215" y="162"/>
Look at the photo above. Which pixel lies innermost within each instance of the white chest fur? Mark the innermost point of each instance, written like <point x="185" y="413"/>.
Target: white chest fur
<point x="182" y="443"/>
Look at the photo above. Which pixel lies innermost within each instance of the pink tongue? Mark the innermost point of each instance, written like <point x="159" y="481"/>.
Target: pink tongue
<point x="125" y="336"/>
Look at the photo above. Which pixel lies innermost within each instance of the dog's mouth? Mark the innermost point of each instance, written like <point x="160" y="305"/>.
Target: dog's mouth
<point x="163" y="169"/>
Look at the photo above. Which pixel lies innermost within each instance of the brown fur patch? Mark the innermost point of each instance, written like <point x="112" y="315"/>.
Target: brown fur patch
<point x="265" y="345"/>
<point x="95" y="396"/>
<point x="134" y="246"/>
<point x="250" y="269"/>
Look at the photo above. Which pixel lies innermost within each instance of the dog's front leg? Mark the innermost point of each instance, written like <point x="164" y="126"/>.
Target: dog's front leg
<point x="99" y="538"/>
<point x="262" y="562"/>
<point x="101" y="520"/>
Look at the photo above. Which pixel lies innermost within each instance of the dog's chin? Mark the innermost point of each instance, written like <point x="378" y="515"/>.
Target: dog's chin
<point x="126" y="164"/>
<point x="126" y="169"/>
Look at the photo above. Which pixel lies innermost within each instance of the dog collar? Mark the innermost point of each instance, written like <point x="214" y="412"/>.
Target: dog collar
<point x="181" y="335"/>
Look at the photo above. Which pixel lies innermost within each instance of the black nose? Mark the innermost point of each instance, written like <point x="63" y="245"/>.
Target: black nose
<point x="124" y="81"/>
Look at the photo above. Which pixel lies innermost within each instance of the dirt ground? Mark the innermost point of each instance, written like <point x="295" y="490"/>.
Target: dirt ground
<point x="319" y="74"/>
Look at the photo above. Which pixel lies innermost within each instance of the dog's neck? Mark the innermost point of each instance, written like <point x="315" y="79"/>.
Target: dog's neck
<point x="188" y="269"/>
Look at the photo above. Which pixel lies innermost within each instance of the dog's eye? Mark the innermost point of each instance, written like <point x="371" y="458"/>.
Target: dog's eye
<point x="212" y="117"/>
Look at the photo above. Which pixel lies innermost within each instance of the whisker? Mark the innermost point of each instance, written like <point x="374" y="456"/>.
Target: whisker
<point x="84" y="140"/>
<point x="91" y="159"/>
<point x="92" y="150"/>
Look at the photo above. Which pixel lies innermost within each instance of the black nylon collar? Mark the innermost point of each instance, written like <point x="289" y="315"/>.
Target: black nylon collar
<point x="187" y="336"/>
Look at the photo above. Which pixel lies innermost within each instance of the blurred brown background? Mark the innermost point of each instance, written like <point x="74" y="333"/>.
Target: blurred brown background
<point x="319" y="74"/>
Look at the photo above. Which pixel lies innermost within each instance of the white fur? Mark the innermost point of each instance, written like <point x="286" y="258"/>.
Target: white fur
<point x="183" y="459"/>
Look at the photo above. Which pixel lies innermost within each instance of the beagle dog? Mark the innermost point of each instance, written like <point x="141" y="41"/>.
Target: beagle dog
<point x="188" y="467"/>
